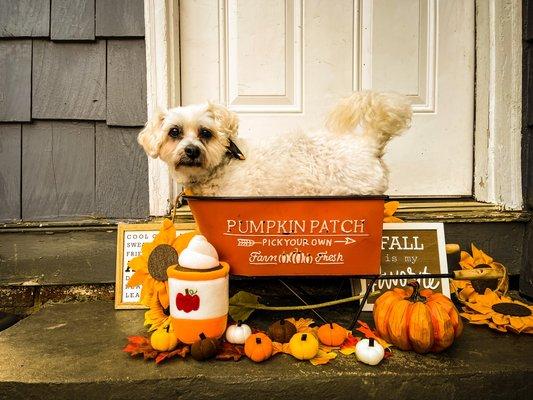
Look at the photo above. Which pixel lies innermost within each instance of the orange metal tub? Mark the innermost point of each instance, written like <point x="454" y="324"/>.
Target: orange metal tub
<point x="289" y="236"/>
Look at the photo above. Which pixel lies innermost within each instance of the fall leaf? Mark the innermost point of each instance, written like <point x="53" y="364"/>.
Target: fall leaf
<point x="141" y="345"/>
<point x="369" y="333"/>
<point x="323" y="357"/>
<point x="280" y="348"/>
<point x="301" y="324"/>
<point x="390" y="209"/>
<point x="182" y="350"/>
<point x="348" y="346"/>
<point x="238" y="309"/>
<point x="229" y="351"/>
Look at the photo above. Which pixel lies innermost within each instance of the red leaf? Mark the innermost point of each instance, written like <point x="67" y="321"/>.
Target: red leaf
<point x="348" y="346"/>
<point x="229" y="351"/>
<point x="182" y="350"/>
<point x="140" y="345"/>
<point x="369" y="333"/>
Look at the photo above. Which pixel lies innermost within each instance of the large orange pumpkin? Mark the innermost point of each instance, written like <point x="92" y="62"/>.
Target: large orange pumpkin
<point x="418" y="320"/>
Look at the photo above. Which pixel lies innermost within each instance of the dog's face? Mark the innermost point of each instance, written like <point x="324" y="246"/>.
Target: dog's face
<point x="192" y="140"/>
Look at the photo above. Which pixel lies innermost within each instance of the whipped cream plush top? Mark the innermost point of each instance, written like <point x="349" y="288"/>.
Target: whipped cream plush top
<point x="199" y="254"/>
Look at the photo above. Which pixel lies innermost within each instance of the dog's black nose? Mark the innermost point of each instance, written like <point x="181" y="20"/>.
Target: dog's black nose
<point x="192" y="151"/>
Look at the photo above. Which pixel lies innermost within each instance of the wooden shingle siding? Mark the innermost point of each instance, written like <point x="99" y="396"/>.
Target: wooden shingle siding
<point x="24" y="18"/>
<point x="126" y="86"/>
<point x="10" y="172"/>
<point x="72" y="20"/>
<point x="15" y="80"/>
<point x="57" y="169"/>
<point x="124" y="18"/>
<point x="66" y="67"/>
<point x="69" y="80"/>
<point x="121" y="173"/>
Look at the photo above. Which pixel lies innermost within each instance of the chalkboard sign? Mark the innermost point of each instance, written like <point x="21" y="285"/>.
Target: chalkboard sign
<point x="130" y="238"/>
<point x="412" y="248"/>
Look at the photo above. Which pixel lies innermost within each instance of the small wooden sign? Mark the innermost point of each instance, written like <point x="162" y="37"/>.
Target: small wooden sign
<point x="412" y="248"/>
<point x="130" y="238"/>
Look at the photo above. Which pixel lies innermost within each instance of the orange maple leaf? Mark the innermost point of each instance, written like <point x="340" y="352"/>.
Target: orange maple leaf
<point x="369" y="333"/>
<point x="140" y="345"/>
<point x="348" y="346"/>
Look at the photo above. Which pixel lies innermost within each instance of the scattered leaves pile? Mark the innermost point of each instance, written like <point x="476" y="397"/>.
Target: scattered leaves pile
<point x="140" y="346"/>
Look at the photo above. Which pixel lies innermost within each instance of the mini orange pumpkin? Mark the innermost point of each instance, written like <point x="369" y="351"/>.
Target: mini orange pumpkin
<point x="422" y="321"/>
<point x="258" y="347"/>
<point x="332" y="334"/>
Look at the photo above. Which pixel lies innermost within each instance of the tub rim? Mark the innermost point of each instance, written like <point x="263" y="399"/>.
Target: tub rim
<point x="292" y="198"/>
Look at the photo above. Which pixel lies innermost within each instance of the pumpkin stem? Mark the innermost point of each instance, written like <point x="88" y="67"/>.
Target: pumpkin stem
<point x="167" y="328"/>
<point x="331" y="325"/>
<point x="282" y="322"/>
<point x="258" y="340"/>
<point x="415" y="296"/>
<point x="239" y="322"/>
<point x="202" y="336"/>
<point x="371" y="342"/>
<point x="304" y="337"/>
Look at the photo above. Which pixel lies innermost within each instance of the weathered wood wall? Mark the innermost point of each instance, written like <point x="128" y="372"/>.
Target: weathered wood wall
<point x="72" y="77"/>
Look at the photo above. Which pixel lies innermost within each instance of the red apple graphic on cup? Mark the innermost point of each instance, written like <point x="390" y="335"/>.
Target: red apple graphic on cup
<point x="188" y="302"/>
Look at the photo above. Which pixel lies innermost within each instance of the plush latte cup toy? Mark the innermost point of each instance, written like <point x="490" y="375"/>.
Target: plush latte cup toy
<point x="199" y="292"/>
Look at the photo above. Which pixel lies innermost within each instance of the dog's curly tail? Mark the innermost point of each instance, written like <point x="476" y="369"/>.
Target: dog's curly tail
<point x="379" y="115"/>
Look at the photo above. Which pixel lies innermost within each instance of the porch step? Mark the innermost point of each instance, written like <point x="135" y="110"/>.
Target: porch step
<point x="73" y="350"/>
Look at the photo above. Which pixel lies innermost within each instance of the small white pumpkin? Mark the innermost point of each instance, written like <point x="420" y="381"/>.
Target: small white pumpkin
<point x="238" y="333"/>
<point x="369" y="351"/>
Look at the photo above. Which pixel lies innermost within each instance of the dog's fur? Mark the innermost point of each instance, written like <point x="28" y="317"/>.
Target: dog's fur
<point x="344" y="158"/>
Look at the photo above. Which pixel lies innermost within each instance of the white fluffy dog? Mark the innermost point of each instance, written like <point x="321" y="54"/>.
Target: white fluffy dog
<point x="200" y="145"/>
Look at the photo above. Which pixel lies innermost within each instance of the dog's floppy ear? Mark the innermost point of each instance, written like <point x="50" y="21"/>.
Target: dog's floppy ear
<point x="151" y="137"/>
<point x="227" y="120"/>
<point x="235" y="151"/>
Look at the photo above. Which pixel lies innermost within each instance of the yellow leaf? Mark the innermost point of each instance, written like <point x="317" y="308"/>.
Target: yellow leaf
<point x="347" y="350"/>
<point x="302" y="324"/>
<point x="323" y="358"/>
<point x="280" y="348"/>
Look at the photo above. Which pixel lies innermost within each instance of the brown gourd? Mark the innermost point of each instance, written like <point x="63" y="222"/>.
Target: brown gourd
<point x="204" y="348"/>
<point x="422" y="321"/>
<point x="281" y="331"/>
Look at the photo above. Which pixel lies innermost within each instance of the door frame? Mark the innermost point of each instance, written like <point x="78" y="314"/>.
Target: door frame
<point x="498" y="97"/>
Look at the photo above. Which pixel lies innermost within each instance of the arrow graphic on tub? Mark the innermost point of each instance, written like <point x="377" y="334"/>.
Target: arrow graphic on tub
<point x="246" y="242"/>
<point x="346" y="241"/>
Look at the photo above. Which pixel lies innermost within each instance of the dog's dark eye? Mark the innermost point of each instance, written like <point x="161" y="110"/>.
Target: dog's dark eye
<point x="205" y="133"/>
<point x="174" y="132"/>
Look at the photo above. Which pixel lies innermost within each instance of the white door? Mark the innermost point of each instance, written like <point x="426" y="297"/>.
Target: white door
<point x="281" y="64"/>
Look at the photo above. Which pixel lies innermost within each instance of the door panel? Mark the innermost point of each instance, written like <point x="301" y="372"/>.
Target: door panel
<point x="282" y="64"/>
